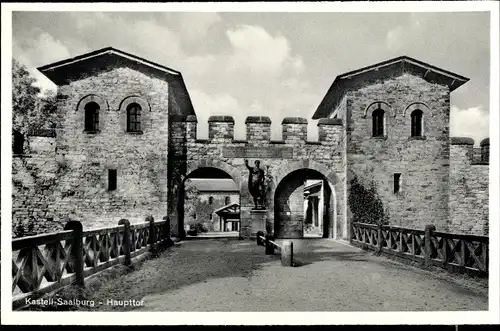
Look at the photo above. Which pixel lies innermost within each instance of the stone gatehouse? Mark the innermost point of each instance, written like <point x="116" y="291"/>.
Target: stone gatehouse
<point x="125" y="144"/>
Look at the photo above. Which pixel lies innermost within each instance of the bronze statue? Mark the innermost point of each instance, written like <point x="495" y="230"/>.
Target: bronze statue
<point x="256" y="184"/>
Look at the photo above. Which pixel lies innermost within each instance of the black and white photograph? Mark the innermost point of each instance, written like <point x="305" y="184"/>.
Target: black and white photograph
<point x="237" y="160"/>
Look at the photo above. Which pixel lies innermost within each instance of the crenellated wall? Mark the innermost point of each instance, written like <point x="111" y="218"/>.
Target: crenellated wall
<point x="469" y="182"/>
<point x="277" y="158"/>
<point x="65" y="173"/>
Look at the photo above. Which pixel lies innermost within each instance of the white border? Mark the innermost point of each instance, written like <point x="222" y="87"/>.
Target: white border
<point x="216" y="318"/>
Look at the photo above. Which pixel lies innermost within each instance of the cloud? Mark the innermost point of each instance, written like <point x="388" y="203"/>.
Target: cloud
<point x="255" y="50"/>
<point x="207" y="105"/>
<point x="199" y="65"/>
<point x="214" y="104"/>
<point x="398" y="37"/>
<point x="239" y="64"/>
<point x="196" y="25"/>
<point x="471" y="122"/>
<point x="394" y="37"/>
<point x="40" y="50"/>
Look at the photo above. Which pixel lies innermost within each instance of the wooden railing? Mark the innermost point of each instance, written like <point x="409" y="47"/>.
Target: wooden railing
<point x="46" y="262"/>
<point x="455" y="252"/>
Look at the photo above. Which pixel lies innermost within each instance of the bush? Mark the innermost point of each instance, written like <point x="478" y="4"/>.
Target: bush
<point x="365" y="205"/>
<point x="195" y="229"/>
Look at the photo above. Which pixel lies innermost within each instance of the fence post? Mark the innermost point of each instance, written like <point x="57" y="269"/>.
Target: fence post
<point x="126" y="240"/>
<point x="269" y="246"/>
<point x="259" y="240"/>
<point x="152" y="233"/>
<point x="350" y="231"/>
<point x="77" y="250"/>
<point x="287" y="254"/>
<point x="429" y="229"/>
<point x="379" y="239"/>
<point x="166" y="232"/>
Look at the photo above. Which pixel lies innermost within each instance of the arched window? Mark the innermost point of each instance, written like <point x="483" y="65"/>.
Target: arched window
<point x="210" y="200"/>
<point x="416" y="123"/>
<point x="378" y="122"/>
<point x="227" y="200"/>
<point x="134" y="117"/>
<point x="92" y="117"/>
<point x="18" y="143"/>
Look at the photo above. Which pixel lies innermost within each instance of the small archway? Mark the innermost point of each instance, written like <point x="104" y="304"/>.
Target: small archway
<point x="304" y="205"/>
<point x="205" y="190"/>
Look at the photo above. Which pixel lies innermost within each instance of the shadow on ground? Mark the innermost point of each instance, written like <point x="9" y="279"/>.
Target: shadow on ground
<point x="209" y="261"/>
<point x="179" y="266"/>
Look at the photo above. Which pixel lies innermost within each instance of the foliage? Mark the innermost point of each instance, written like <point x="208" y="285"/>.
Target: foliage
<point x="191" y="200"/>
<point x="203" y="211"/>
<point x="24" y="95"/>
<point x="30" y="110"/>
<point x="196" y="228"/>
<point x="197" y="212"/>
<point x="365" y="205"/>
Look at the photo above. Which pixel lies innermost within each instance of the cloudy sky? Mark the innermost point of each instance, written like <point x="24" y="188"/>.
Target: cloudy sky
<point x="274" y="64"/>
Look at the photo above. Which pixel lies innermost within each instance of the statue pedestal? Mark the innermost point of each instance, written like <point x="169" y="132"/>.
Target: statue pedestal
<point x="258" y="220"/>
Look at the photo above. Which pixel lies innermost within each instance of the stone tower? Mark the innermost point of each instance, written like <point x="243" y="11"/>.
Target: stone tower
<point x="397" y="116"/>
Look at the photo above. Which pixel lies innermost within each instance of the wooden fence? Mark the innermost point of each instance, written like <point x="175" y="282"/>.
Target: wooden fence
<point x="47" y="262"/>
<point x="454" y="252"/>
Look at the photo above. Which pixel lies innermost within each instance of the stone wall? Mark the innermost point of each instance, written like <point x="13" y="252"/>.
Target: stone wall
<point x="34" y="176"/>
<point x="277" y="158"/>
<point x="67" y="174"/>
<point x="290" y="207"/>
<point x="139" y="158"/>
<point x="469" y="194"/>
<point x="80" y="160"/>
<point x="422" y="162"/>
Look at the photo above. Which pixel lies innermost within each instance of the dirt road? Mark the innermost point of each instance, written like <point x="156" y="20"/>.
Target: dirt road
<point x="232" y="275"/>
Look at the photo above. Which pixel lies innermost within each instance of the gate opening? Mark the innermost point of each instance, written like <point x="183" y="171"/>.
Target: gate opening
<point x="303" y="206"/>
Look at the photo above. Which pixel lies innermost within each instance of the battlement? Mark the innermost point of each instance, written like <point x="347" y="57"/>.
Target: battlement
<point x="462" y="150"/>
<point x="258" y="130"/>
<point x="221" y="127"/>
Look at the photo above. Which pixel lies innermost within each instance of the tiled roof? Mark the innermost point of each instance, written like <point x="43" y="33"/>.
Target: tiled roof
<point x="389" y="68"/>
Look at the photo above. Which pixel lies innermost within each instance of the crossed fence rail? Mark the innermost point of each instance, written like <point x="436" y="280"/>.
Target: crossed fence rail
<point x="454" y="252"/>
<point x="47" y="262"/>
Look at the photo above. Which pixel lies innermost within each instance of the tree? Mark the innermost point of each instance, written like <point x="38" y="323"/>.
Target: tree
<point x="46" y="111"/>
<point x="24" y="96"/>
<point x="191" y="197"/>
<point x="197" y="212"/>
<point x="30" y="111"/>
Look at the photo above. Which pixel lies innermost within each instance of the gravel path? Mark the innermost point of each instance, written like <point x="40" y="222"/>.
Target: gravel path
<point x="232" y="275"/>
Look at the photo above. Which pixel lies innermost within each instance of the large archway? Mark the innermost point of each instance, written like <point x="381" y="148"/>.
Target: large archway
<point x="210" y="198"/>
<point x="304" y="205"/>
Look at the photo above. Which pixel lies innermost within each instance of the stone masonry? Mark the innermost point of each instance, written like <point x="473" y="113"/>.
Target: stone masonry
<point x="81" y="160"/>
<point x="278" y="159"/>
<point x="65" y="173"/>
<point x="468" y="205"/>
<point x="430" y="193"/>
